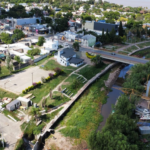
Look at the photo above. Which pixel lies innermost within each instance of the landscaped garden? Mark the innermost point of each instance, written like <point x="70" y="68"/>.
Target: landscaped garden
<point x="142" y="45"/>
<point x="130" y="49"/>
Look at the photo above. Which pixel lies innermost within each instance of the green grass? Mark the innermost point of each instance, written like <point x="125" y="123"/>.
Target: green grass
<point x="10" y="113"/>
<point x="90" y="71"/>
<point x="44" y="89"/>
<point x="4" y="93"/>
<point x="73" y="84"/>
<point x="48" y="117"/>
<point x="50" y="65"/>
<point x="143" y="53"/>
<point x="124" y="53"/>
<point x="144" y="44"/>
<point x="58" y="99"/>
<point x="4" y="72"/>
<point x="130" y="49"/>
<point x="84" y="116"/>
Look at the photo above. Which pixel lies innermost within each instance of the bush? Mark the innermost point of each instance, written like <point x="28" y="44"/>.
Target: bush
<point x="4" y="105"/>
<point x="34" y="84"/>
<point x="57" y="70"/>
<point x="89" y="56"/>
<point x="34" y="51"/>
<point x="24" y="92"/>
<point x="43" y="79"/>
<point x="51" y="75"/>
<point x="38" y="83"/>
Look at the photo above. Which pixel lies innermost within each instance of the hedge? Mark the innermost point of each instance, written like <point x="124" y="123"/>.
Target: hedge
<point x="89" y="55"/>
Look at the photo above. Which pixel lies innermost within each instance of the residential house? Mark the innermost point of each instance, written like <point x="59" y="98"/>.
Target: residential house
<point x="67" y="57"/>
<point x="70" y="35"/>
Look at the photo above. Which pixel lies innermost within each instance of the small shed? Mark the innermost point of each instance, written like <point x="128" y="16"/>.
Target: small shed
<point x="144" y="129"/>
<point x="24" y="101"/>
<point x="13" y="105"/>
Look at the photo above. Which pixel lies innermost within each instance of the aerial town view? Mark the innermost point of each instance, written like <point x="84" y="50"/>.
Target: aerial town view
<point x="75" y="75"/>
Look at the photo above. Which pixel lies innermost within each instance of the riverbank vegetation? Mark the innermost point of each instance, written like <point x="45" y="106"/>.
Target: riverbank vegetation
<point x="84" y="116"/>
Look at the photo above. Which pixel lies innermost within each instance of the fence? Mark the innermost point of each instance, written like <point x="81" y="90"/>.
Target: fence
<point x="40" y="58"/>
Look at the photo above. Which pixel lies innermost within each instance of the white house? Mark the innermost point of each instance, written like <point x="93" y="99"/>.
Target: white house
<point x="50" y="45"/>
<point x="70" y="35"/>
<point x="81" y="8"/>
<point x="67" y="57"/>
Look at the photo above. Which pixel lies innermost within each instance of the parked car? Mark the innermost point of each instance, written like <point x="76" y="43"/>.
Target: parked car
<point x="142" y="109"/>
<point x="145" y="117"/>
<point x="113" y="53"/>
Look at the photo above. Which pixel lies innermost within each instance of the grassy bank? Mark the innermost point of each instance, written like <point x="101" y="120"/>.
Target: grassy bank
<point x="58" y="99"/>
<point x="144" y="53"/>
<point x="142" y="45"/>
<point x="12" y="114"/>
<point x="84" y="116"/>
<point x="4" y="72"/>
<point x="90" y="71"/>
<point x="130" y="49"/>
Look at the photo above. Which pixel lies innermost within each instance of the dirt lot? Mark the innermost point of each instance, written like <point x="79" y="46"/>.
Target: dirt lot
<point x="18" y="82"/>
<point x="59" y="142"/>
<point x="10" y="131"/>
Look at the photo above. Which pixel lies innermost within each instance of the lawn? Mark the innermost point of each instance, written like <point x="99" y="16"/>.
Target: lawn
<point x="4" y="93"/>
<point x="144" y="44"/>
<point x="90" y="71"/>
<point x="72" y="84"/>
<point x="84" y="116"/>
<point x="57" y="99"/>
<point x="4" y="72"/>
<point x="50" y="65"/>
<point x="130" y="49"/>
<point x="44" y="89"/>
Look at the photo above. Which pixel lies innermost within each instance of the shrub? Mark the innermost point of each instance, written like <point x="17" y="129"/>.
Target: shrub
<point x="24" y="91"/>
<point x="43" y="79"/>
<point x="34" y="84"/>
<point x="57" y="70"/>
<point x="34" y="51"/>
<point x="4" y="105"/>
<point x="89" y="55"/>
<point x="51" y="75"/>
<point x="38" y="83"/>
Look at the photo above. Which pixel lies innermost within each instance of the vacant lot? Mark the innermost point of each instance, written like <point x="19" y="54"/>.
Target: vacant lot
<point x="19" y="81"/>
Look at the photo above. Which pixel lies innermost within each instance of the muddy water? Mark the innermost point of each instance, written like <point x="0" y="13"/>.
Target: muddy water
<point x="112" y="98"/>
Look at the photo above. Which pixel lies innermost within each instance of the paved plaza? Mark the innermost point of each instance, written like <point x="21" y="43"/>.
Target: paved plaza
<point x="19" y="81"/>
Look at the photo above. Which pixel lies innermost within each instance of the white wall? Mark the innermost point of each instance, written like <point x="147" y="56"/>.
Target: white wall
<point x="26" y="21"/>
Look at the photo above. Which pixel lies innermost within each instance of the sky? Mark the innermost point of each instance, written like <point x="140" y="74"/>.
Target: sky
<point x="133" y="3"/>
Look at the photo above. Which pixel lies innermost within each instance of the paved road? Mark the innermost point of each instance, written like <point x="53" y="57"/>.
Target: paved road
<point x="117" y="57"/>
<point x="10" y="131"/>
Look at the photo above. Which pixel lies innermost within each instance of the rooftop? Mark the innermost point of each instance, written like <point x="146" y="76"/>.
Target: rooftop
<point x="68" y="52"/>
<point x="75" y="60"/>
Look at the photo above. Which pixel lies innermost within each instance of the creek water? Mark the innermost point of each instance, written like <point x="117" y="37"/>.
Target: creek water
<point x="106" y="109"/>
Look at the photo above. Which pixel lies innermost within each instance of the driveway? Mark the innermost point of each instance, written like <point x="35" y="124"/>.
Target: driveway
<point x="10" y="131"/>
<point x="18" y="82"/>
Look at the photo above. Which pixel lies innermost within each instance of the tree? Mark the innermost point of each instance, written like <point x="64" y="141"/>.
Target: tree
<point x="5" y="37"/>
<point x="8" y="62"/>
<point x="41" y="40"/>
<point x="58" y="15"/>
<point x="97" y="60"/>
<point x="76" y="46"/>
<point x="17" y="34"/>
<point x="35" y="112"/>
<point x="121" y="31"/>
<point x="17" y="58"/>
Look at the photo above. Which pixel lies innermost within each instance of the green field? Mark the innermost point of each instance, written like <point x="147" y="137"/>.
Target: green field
<point x="4" y="93"/>
<point x="90" y="71"/>
<point x="4" y="72"/>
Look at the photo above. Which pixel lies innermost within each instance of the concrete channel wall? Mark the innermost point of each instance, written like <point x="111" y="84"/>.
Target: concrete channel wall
<point x="73" y="99"/>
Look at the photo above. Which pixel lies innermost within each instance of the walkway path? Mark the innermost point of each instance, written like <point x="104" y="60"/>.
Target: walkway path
<point x="73" y="99"/>
<point x="132" y="44"/>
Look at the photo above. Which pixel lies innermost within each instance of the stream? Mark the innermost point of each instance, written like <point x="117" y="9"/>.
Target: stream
<point x="106" y="109"/>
